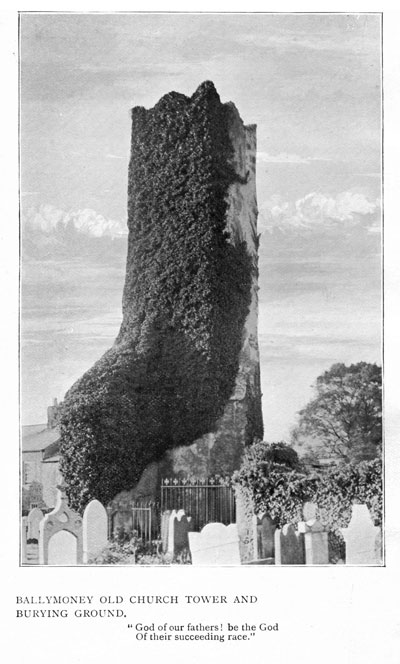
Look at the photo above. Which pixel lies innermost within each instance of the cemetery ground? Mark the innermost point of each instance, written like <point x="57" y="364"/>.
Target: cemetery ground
<point x="282" y="516"/>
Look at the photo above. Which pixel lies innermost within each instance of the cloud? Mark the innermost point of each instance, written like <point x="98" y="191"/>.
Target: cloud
<point x="286" y="158"/>
<point x="117" y="156"/>
<point x="318" y="211"/>
<point x="48" y="218"/>
<point x="297" y="41"/>
<point x="345" y="34"/>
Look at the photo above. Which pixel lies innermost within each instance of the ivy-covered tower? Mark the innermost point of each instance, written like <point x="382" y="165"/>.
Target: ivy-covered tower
<point x="179" y="391"/>
<point x="220" y="450"/>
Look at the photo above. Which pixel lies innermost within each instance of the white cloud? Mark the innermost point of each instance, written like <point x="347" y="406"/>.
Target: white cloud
<point x="286" y="158"/>
<point x="86" y="221"/>
<point x="299" y="41"/>
<point x="349" y="35"/>
<point x="322" y="211"/>
<point x="117" y="156"/>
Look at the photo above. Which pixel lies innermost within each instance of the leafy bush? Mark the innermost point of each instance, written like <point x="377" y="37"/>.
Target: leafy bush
<point x="338" y="489"/>
<point x="259" y="456"/>
<point x="282" y="492"/>
<point x="187" y="293"/>
<point x="123" y="550"/>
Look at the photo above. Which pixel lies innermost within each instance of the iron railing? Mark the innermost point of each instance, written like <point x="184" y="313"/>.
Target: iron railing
<point x="204" y="500"/>
<point x="126" y="517"/>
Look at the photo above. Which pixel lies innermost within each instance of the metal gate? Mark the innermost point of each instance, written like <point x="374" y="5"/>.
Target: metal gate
<point x="205" y="500"/>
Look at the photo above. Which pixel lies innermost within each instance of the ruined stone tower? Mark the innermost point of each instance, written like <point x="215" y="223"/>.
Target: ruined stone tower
<point x="219" y="451"/>
<point x="179" y="391"/>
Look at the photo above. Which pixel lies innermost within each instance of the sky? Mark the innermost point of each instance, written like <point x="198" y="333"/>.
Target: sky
<point x="311" y="83"/>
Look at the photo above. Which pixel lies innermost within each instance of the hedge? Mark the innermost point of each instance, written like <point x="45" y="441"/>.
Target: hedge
<point x="281" y="491"/>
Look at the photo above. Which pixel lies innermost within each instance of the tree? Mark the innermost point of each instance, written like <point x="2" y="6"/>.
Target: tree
<point x="344" y="419"/>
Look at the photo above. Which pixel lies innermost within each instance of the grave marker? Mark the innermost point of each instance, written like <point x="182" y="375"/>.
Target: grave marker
<point x="216" y="544"/>
<point x="94" y="530"/>
<point x="165" y="516"/>
<point x="24" y="537"/>
<point x="315" y="542"/>
<point x="179" y="526"/>
<point x="360" y="537"/>
<point x="63" y="548"/>
<point x="34" y="518"/>
<point x="264" y="536"/>
<point x="289" y="546"/>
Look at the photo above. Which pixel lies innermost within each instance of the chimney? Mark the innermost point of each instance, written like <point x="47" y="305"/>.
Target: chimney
<point x="53" y="415"/>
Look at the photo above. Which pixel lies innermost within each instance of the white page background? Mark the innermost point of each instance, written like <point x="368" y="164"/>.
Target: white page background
<point x="339" y="614"/>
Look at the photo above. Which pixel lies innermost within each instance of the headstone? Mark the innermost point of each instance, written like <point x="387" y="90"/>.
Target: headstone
<point x="245" y="524"/>
<point x="62" y="549"/>
<point x="179" y="527"/>
<point x="165" y="516"/>
<point x="62" y="518"/>
<point x="120" y="517"/>
<point x="216" y="544"/>
<point x="34" y="518"/>
<point x="32" y="553"/>
<point x="264" y="537"/>
<point x="309" y="511"/>
<point x="360" y="538"/>
<point x="289" y="546"/>
<point x="378" y="548"/>
<point x="33" y="521"/>
<point x="24" y="537"/>
<point x="315" y="542"/>
<point x="94" y="530"/>
<point x="110" y="514"/>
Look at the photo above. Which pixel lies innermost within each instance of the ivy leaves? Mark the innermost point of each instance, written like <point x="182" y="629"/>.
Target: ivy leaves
<point x="277" y="484"/>
<point x="187" y="293"/>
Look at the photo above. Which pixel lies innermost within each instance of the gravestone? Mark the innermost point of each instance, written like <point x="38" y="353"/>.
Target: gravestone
<point x="378" y="548"/>
<point x="245" y="524"/>
<point x="216" y="544"/>
<point x="165" y="516"/>
<point x="62" y="549"/>
<point x="315" y="536"/>
<point x="94" y="530"/>
<point x="120" y="516"/>
<point x="289" y="546"/>
<point x="315" y="542"/>
<point x="360" y="537"/>
<point x="62" y="518"/>
<point x="264" y="537"/>
<point x="32" y="553"/>
<point x="34" y="518"/>
<point x="178" y="528"/>
<point x="309" y="511"/>
<point x="24" y="537"/>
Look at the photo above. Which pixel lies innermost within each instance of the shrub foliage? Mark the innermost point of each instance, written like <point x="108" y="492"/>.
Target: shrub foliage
<point x="282" y="490"/>
<point x="186" y="297"/>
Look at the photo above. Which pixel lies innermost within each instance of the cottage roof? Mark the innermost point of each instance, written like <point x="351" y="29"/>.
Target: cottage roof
<point x="52" y="452"/>
<point x="38" y="437"/>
